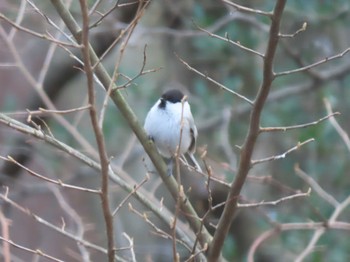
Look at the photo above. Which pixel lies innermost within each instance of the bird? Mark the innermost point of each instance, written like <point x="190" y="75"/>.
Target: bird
<point x="170" y="124"/>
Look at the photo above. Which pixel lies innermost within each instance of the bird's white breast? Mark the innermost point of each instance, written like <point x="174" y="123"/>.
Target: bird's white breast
<point x="164" y="126"/>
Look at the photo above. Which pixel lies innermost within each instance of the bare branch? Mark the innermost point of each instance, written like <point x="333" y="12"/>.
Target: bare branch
<point x="227" y="39"/>
<point x="42" y="221"/>
<point x="56" y="182"/>
<point x="319" y="232"/>
<point x="213" y="81"/>
<point x="302" y="29"/>
<point x="282" y="156"/>
<point x="133" y="122"/>
<point x="297" y="226"/>
<point x="5" y="224"/>
<point x="130" y="194"/>
<point x="44" y="111"/>
<point x="157" y="230"/>
<point x="283" y="129"/>
<point x="262" y="238"/>
<point x="41" y="92"/>
<point x="70" y="211"/>
<point x="33" y="33"/>
<point x="98" y="132"/>
<point x="128" y="30"/>
<point x="148" y="201"/>
<point x="37" y="252"/>
<point x="323" y="61"/>
<point x="344" y="136"/>
<point x="131" y="243"/>
<point x="123" y="45"/>
<point x="315" y="186"/>
<point x="247" y="9"/>
<point x="19" y="19"/>
<point x="252" y="135"/>
<point x="276" y="202"/>
<point x="103" y="16"/>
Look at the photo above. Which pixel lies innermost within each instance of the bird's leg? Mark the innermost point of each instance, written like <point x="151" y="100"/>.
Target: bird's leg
<point x="170" y="164"/>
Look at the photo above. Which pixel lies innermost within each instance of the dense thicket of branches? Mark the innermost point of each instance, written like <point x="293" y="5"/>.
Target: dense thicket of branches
<point x="268" y="85"/>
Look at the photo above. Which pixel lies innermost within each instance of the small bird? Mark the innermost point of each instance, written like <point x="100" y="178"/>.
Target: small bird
<point x="170" y="124"/>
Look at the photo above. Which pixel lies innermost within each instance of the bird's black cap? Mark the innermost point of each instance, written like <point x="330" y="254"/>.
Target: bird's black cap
<point x="173" y="96"/>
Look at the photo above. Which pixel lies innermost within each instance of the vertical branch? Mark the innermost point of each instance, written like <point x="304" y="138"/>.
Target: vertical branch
<point x="129" y="115"/>
<point x="98" y="131"/>
<point x="249" y="143"/>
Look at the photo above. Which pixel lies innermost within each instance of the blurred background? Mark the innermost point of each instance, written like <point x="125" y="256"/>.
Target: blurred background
<point x="34" y="71"/>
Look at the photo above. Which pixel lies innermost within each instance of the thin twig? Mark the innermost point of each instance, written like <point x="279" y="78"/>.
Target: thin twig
<point x="141" y="7"/>
<point x="157" y="230"/>
<point x="103" y="16"/>
<point x="130" y="194"/>
<point x="44" y="111"/>
<point x="275" y="202"/>
<point x="5" y="225"/>
<point x="56" y="182"/>
<point x="37" y="252"/>
<point x="337" y="225"/>
<point x="247" y="9"/>
<point x="123" y="46"/>
<point x="301" y="29"/>
<point x="131" y="243"/>
<point x="44" y="222"/>
<point x="323" y="61"/>
<point x="33" y="33"/>
<point x="214" y="81"/>
<point x="19" y="19"/>
<point x="71" y="212"/>
<point x="281" y="156"/>
<point x="235" y="43"/>
<point x="50" y="22"/>
<point x="315" y="186"/>
<point x="149" y="201"/>
<point x="344" y="136"/>
<point x="319" y="232"/>
<point x="41" y="92"/>
<point x="285" y="128"/>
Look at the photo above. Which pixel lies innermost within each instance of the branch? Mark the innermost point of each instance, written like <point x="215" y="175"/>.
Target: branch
<point x="33" y="33"/>
<point x="133" y="122"/>
<point x="319" y="232"/>
<point x="336" y="126"/>
<point x="276" y="202"/>
<point x="136" y="187"/>
<point x="156" y="229"/>
<point x="302" y="29"/>
<point x="5" y="225"/>
<point x="36" y="252"/>
<point x="98" y="132"/>
<point x="249" y="143"/>
<point x="315" y="186"/>
<point x="285" y="128"/>
<point x="42" y="221"/>
<point x="325" y="60"/>
<point x="79" y="228"/>
<point x="247" y="9"/>
<point x="338" y="225"/>
<point x="214" y="82"/>
<point x="278" y="95"/>
<point x="151" y="203"/>
<point x="281" y="156"/>
<point x="56" y="182"/>
<point x="227" y="39"/>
